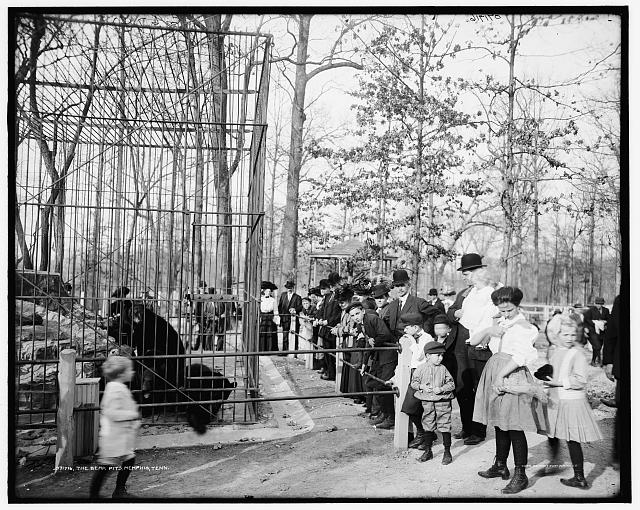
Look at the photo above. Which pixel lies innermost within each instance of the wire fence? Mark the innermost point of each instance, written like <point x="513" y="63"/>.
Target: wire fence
<point x="139" y="155"/>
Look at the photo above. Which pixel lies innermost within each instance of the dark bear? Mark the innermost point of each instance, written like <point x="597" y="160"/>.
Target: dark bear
<point x="120" y="325"/>
<point x="153" y="336"/>
<point x="212" y="386"/>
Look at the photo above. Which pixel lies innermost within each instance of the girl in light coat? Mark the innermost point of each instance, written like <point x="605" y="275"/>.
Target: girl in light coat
<point x="119" y="423"/>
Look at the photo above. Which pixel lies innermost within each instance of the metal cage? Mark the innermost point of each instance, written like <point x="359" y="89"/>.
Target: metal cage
<point x="139" y="159"/>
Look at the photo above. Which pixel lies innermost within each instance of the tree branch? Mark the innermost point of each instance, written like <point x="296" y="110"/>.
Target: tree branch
<point x="333" y="65"/>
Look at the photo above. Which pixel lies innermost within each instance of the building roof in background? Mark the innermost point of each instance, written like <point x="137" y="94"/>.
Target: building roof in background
<point x="345" y="249"/>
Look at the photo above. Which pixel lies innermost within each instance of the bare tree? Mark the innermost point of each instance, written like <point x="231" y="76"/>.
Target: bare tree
<point x="335" y="59"/>
<point x="53" y="213"/>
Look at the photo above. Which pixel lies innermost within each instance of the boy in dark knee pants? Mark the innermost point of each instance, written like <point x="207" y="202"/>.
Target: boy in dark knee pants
<point x="434" y="385"/>
<point x="411" y="405"/>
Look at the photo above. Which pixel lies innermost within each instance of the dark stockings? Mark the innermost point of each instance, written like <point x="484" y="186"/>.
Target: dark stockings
<point x="504" y="441"/>
<point x="103" y="471"/>
<point x="577" y="459"/>
<point x="416" y="419"/>
<point x="554" y="447"/>
<point x="503" y="445"/>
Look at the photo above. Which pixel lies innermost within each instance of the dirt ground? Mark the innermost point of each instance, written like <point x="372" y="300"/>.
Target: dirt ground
<point x="341" y="457"/>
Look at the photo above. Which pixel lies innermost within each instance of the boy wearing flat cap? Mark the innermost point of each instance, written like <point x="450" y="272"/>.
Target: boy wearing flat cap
<point x="411" y="405"/>
<point x="444" y="334"/>
<point x="434" y="386"/>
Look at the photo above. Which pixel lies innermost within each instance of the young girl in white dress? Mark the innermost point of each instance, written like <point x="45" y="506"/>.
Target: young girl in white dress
<point x="570" y="415"/>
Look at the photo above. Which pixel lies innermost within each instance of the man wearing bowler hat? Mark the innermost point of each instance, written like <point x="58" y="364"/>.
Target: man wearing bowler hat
<point x="595" y="320"/>
<point x="407" y="303"/>
<point x="434" y="300"/>
<point x="463" y="316"/>
<point x="443" y="334"/>
<point x="380" y="294"/>
<point x="289" y="306"/>
<point x="328" y="319"/>
<point x="375" y="332"/>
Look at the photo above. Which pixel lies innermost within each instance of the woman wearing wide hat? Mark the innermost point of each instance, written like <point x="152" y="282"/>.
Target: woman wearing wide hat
<point x="268" y="331"/>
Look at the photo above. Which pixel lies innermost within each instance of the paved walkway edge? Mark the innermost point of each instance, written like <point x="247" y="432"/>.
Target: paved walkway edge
<point x="290" y="415"/>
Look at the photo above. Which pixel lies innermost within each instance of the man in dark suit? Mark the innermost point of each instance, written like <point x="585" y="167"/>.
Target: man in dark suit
<point x="434" y="300"/>
<point x="380" y="294"/>
<point x="465" y="394"/>
<point x="611" y="361"/>
<point x="407" y="303"/>
<point x="330" y="317"/>
<point x="595" y="320"/>
<point x="289" y="304"/>
<point x="443" y="334"/>
<point x="384" y="362"/>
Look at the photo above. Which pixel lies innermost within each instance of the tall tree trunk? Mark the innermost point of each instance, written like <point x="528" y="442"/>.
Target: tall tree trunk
<point x="572" y="265"/>
<point x="27" y="263"/>
<point x="553" y="293"/>
<point x="195" y="107"/>
<point x="272" y="210"/>
<point x="59" y="226"/>
<point x="118" y="238"/>
<point x="536" y="238"/>
<point x="508" y="184"/>
<point x="224" y="244"/>
<point x="418" y="168"/>
<point x="591" y="247"/>
<point x="290" y="224"/>
<point x="92" y="268"/>
<point x="382" y="209"/>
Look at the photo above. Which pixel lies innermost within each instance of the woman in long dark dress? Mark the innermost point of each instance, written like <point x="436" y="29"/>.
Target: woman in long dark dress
<point x="268" y="330"/>
<point x="350" y="381"/>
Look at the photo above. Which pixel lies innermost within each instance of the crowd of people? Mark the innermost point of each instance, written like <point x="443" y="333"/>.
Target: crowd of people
<point x="474" y="348"/>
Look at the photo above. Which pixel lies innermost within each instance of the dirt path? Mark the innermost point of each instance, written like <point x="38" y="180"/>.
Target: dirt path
<point x="341" y="457"/>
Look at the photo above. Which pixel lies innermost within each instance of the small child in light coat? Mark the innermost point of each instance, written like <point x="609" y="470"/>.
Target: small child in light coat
<point x="434" y="385"/>
<point x="570" y="415"/>
<point x="119" y="423"/>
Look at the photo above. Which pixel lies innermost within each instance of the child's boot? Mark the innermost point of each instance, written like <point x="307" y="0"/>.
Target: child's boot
<point x="578" y="479"/>
<point x="418" y="440"/>
<point x="446" y="441"/>
<point x="426" y="446"/>
<point x="431" y="436"/>
<point x="518" y="483"/>
<point x="499" y="468"/>
<point x="121" y="493"/>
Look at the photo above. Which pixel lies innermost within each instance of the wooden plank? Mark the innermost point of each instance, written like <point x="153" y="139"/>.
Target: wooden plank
<point x="403" y="378"/>
<point x="65" y="428"/>
<point x="86" y="422"/>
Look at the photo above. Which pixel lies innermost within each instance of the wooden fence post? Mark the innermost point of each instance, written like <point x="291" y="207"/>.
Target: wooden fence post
<point x="86" y="423"/>
<point x="403" y="378"/>
<point x="339" y="363"/>
<point x="65" y="425"/>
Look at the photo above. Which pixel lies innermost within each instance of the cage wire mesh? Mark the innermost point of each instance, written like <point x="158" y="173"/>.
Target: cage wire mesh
<point x="140" y="146"/>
